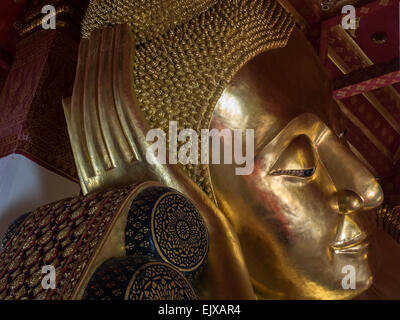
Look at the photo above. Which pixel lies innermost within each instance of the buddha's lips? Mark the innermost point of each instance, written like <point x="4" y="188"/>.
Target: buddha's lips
<point x="357" y="249"/>
<point x="351" y="244"/>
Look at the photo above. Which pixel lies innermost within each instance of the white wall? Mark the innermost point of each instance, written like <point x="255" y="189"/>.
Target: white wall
<point x="24" y="186"/>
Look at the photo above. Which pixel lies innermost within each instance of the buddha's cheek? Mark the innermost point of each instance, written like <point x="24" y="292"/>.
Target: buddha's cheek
<point x="293" y="218"/>
<point x="296" y="212"/>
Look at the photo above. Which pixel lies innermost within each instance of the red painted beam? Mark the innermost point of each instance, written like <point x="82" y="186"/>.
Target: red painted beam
<point x="367" y="79"/>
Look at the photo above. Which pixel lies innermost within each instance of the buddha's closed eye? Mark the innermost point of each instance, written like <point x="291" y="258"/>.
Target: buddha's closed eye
<point x="305" y="173"/>
<point x="296" y="160"/>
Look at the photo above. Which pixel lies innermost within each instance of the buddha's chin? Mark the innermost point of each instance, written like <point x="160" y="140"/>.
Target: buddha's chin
<point x="330" y="287"/>
<point x="336" y="291"/>
<point x="352" y="262"/>
<point x="347" y="275"/>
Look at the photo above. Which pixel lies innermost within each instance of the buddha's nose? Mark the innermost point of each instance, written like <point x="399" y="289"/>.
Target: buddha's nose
<point x="373" y="196"/>
<point x="349" y="202"/>
<point x="349" y="173"/>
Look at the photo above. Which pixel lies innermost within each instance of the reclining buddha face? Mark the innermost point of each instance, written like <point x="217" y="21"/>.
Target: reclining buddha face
<point x="303" y="215"/>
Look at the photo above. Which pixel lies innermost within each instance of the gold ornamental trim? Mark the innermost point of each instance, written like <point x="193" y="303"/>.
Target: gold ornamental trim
<point x="38" y="22"/>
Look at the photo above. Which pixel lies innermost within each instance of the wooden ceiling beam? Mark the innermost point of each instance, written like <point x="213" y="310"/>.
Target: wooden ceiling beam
<point x="367" y="79"/>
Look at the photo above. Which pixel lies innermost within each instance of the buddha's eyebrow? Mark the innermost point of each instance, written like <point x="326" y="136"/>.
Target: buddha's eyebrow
<point x="298" y="121"/>
<point x="321" y="135"/>
<point x="308" y="124"/>
<point x="304" y="168"/>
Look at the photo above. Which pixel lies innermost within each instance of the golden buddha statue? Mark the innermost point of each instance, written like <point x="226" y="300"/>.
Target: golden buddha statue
<point x="284" y="231"/>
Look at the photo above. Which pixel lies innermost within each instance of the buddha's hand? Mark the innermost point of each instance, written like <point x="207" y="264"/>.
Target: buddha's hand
<point x="108" y="137"/>
<point x="104" y="129"/>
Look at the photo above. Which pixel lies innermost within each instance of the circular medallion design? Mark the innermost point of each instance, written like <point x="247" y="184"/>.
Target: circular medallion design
<point x="179" y="234"/>
<point x="158" y="281"/>
<point x="164" y="224"/>
<point x="138" y="278"/>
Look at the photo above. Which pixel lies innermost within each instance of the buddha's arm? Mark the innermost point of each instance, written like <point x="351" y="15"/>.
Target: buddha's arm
<point x="108" y="136"/>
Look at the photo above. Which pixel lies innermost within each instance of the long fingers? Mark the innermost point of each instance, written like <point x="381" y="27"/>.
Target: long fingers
<point x="104" y="119"/>
<point x="115" y="137"/>
<point x="76" y="126"/>
<point x="132" y="120"/>
<point x="99" y="155"/>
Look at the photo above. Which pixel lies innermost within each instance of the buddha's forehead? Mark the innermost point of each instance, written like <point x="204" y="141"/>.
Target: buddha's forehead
<point x="274" y="88"/>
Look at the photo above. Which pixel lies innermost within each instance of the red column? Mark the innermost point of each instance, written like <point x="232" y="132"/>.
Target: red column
<point x="32" y="120"/>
